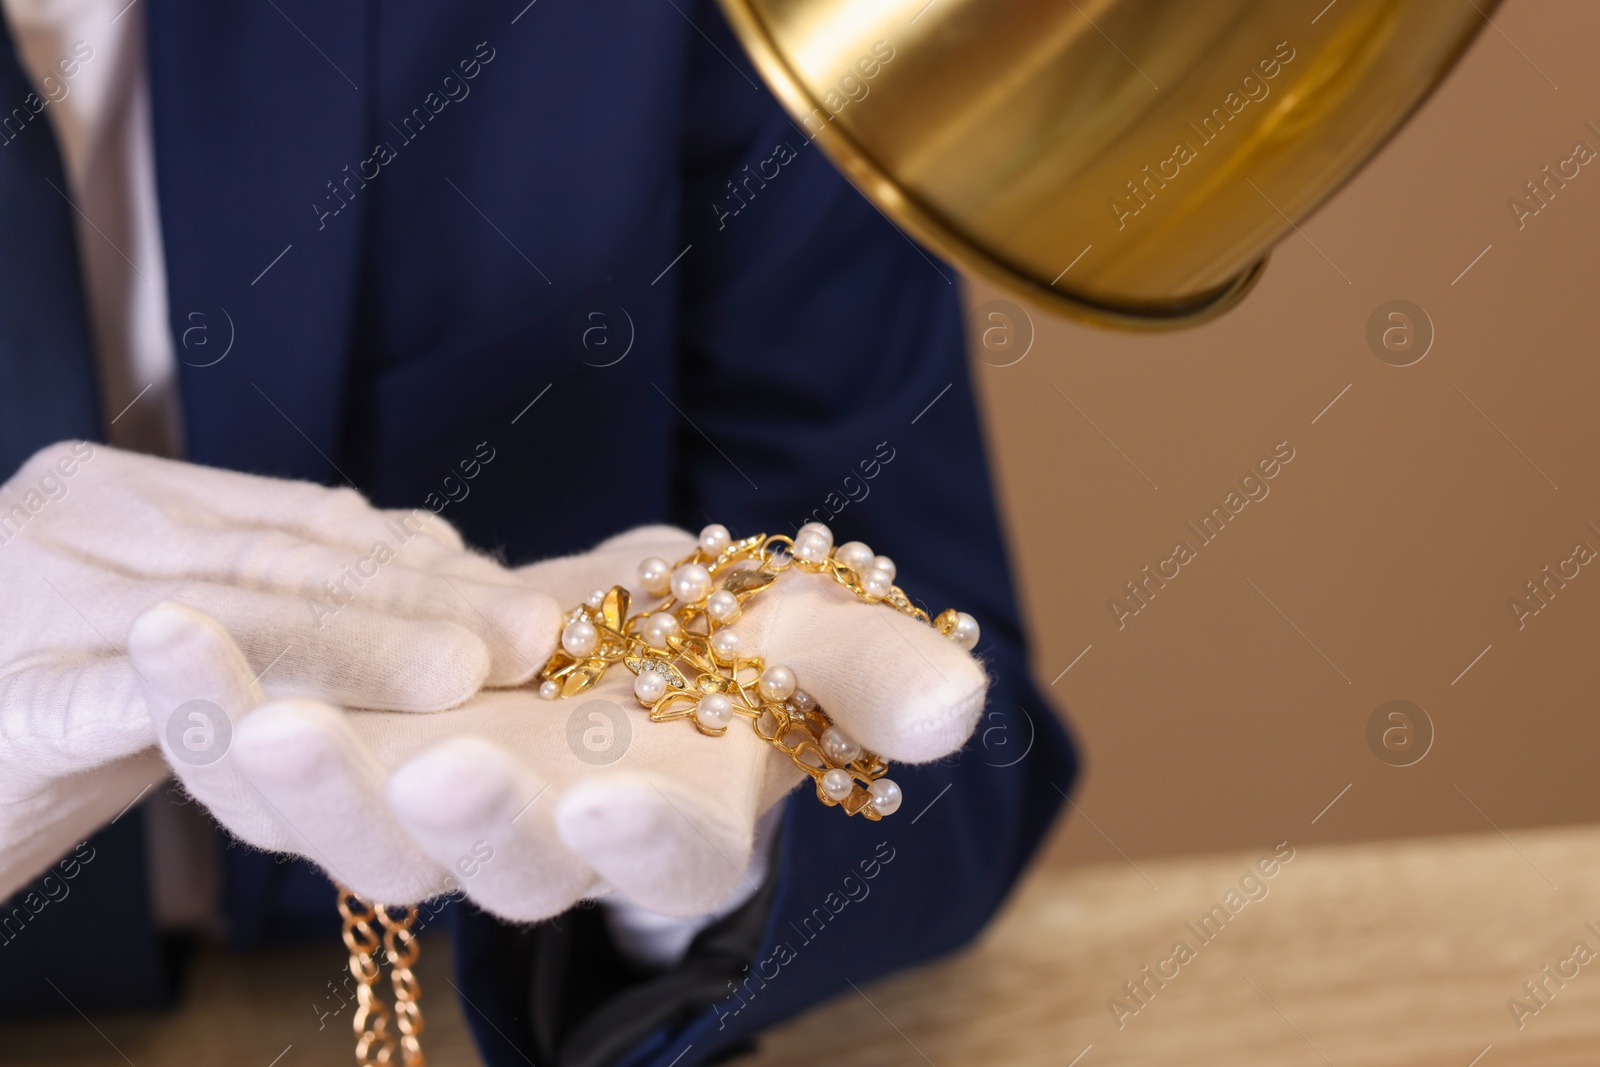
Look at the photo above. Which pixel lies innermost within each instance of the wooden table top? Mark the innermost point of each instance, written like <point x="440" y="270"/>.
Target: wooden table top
<point x="1400" y="954"/>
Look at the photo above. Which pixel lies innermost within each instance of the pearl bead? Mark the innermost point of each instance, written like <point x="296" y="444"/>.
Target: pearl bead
<point x="722" y="606"/>
<point x="690" y="583"/>
<point x="714" y="710"/>
<point x="659" y="627"/>
<point x="839" y="746"/>
<point x="816" y="529"/>
<point x="777" y="683"/>
<point x="877" y="583"/>
<point x="885" y="796"/>
<point x="650" y="686"/>
<point x="725" y="644"/>
<point x="595" y="598"/>
<point x="550" y="690"/>
<point x="965" y="633"/>
<point x="885" y="564"/>
<point x="803" y="701"/>
<point x="812" y="547"/>
<point x="715" y="538"/>
<point x="855" y="555"/>
<point x="579" y="638"/>
<point x="837" y="784"/>
<point x="655" y="576"/>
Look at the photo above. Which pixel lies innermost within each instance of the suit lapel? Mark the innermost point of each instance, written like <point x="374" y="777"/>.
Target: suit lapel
<point x="47" y="373"/>
<point x="260" y="116"/>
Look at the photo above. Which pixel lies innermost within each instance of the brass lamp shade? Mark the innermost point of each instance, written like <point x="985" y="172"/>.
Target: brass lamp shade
<point x="1128" y="162"/>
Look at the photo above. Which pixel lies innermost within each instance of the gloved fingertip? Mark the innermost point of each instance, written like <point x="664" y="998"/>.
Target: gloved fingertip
<point x="461" y="782"/>
<point x="187" y="663"/>
<point x="655" y="841"/>
<point x="527" y="630"/>
<point x="438" y="532"/>
<point x="292" y="741"/>
<point x="171" y="626"/>
<point x="893" y="683"/>
<point x="936" y="729"/>
<point x="442" y="672"/>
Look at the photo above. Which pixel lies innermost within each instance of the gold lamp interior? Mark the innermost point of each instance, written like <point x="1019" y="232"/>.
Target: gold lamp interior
<point x="1128" y="162"/>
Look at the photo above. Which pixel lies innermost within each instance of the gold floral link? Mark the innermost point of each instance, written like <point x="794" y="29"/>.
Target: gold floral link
<point x="685" y="668"/>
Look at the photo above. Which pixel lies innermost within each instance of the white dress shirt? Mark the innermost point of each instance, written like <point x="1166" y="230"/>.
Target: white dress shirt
<point x="101" y="118"/>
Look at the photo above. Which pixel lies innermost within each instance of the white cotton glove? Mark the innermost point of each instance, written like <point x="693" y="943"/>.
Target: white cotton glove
<point x="506" y="799"/>
<point x="321" y="593"/>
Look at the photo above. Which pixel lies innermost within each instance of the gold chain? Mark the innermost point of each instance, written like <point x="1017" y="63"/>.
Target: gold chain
<point x="375" y="1043"/>
<point x="402" y="949"/>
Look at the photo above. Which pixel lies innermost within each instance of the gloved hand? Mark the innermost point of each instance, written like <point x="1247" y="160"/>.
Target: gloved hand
<point x="509" y="800"/>
<point x="322" y="594"/>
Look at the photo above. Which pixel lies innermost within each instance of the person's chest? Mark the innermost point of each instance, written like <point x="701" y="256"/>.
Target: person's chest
<point x="428" y="233"/>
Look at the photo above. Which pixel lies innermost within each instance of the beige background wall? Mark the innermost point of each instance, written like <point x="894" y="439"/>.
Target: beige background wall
<point x="1395" y="538"/>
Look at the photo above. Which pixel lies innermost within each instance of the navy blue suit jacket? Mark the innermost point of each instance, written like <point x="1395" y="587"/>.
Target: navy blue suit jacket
<point x="584" y="238"/>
